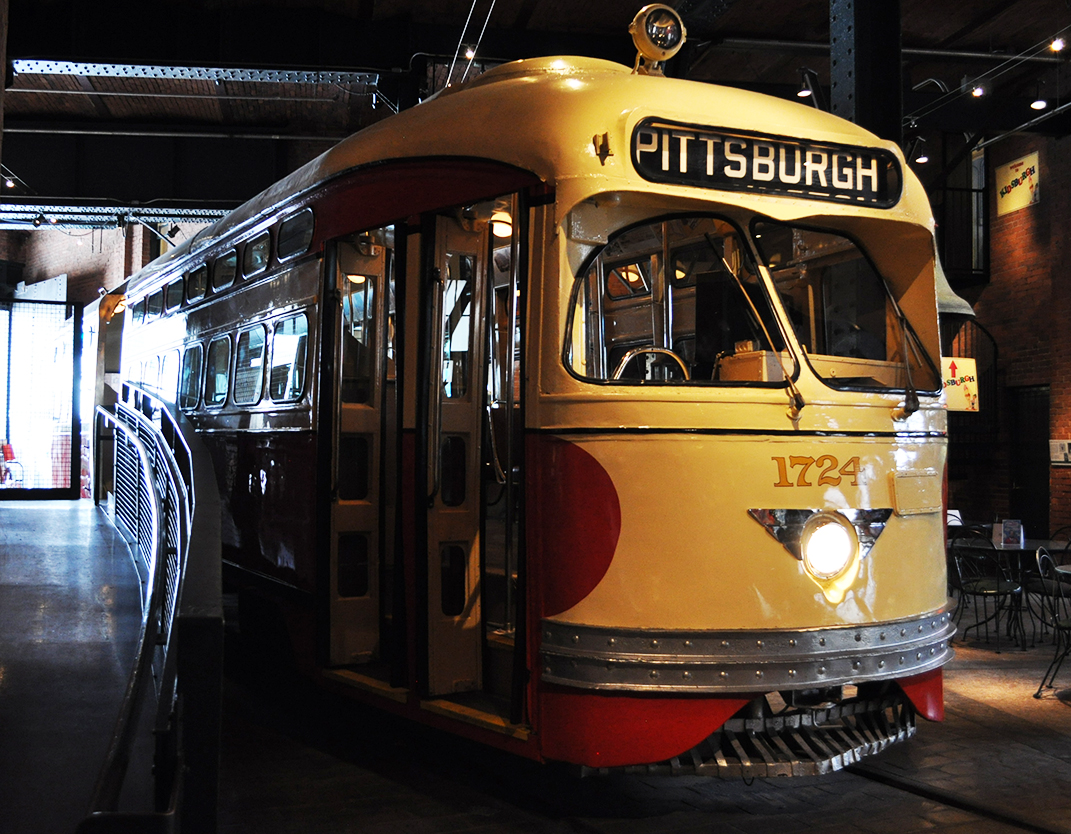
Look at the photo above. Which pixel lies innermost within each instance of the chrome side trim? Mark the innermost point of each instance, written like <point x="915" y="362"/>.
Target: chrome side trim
<point x="651" y="660"/>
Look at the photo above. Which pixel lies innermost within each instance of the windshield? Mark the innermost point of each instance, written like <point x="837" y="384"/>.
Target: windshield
<point x="843" y="315"/>
<point x="680" y="301"/>
<point x="705" y="318"/>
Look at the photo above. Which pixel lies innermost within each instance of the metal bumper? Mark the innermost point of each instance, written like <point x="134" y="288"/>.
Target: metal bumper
<point x="649" y="660"/>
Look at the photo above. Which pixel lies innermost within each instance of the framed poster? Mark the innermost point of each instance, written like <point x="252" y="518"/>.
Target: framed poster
<point x="1018" y="184"/>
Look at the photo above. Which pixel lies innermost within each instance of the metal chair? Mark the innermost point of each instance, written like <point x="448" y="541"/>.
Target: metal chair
<point x="1056" y="608"/>
<point x="978" y="575"/>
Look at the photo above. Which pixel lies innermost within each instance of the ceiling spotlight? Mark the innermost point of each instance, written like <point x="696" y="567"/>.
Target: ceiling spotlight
<point x="978" y="91"/>
<point x="1057" y="44"/>
<point x="10" y="183"/>
<point x="174" y="230"/>
<point x="37" y="221"/>
<point x="811" y="88"/>
<point x="1038" y="103"/>
<point x="916" y="151"/>
<point x="470" y="53"/>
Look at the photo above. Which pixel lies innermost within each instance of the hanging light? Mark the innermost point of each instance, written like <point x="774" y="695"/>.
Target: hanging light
<point x="916" y="151"/>
<point x="811" y="88"/>
<point x="921" y="157"/>
<point x="1038" y="103"/>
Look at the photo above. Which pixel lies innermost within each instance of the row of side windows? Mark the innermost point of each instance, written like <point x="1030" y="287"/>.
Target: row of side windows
<point x="209" y="376"/>
<point x="293" y="238"/>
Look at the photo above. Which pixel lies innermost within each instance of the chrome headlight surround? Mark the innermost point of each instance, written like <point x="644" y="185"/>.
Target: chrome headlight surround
<point x="836" y="542"/>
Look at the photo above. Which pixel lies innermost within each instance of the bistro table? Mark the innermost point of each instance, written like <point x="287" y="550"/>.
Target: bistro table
<point x="1020" y="560"/>
<point x="1016" y="560"/>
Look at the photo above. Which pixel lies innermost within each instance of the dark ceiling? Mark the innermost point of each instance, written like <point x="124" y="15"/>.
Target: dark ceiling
<point x="174" y="110"/>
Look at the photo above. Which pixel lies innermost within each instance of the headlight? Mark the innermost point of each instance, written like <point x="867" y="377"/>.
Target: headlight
<point x="828" y="545"/>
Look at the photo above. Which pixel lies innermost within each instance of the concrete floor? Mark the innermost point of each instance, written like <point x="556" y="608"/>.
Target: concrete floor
<point x="298" y="760"/>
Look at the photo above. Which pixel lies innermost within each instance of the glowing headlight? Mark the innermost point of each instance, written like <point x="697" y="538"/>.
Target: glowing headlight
<point x="828" y="545"/>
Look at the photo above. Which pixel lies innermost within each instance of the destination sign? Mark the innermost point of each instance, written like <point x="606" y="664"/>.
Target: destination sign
<point x="679" y="154"/>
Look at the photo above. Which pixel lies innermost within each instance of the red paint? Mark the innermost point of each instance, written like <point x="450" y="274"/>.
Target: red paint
<point x="927" y="693"/>
<point x="599" y="730"/>
<point x="576" y="518"/>
<point x="384" y="192"/>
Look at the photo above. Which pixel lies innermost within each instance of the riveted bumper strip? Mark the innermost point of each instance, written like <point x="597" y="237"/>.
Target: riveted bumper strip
<point x="649" y="660"/>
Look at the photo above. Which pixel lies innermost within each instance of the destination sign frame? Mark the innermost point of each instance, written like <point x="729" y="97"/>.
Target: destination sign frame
<point x="675" y="153"/>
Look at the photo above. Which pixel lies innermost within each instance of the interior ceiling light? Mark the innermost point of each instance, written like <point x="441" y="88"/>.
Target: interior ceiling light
<point x="978" y="91"/>
<point x="1057" y="44"/>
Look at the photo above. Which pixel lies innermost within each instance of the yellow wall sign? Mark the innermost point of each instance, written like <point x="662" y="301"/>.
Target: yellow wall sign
<point x="961" y="383"/>
<point x="1018" y="184"/>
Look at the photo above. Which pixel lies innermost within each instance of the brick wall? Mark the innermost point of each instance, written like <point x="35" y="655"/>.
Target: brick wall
<point x="90" y="259"/>
<point x="1026" y="306"/>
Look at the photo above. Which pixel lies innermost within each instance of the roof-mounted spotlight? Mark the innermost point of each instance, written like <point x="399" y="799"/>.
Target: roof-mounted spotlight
<point x="659" y="33"/>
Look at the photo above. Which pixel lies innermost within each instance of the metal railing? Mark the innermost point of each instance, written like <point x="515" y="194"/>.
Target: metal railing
<point x="166" y="504"/>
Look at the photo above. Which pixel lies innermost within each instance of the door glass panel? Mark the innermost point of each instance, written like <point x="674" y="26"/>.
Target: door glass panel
<point x="353" y="462"/>
<point x="358" y="330"/>
<point x="454" y="559"/>
<point x="352" y="575"/>
<point x="456" y="330"/>
<point x="454" y="471"/>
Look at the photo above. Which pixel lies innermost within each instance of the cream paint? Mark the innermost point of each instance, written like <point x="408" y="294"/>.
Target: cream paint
<point x="693" y="561"/>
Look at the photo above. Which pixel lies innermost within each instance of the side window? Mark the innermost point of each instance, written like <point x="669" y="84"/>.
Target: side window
<point x="295" y="235"/>
<point x="169" y="374"/>
<point x="288" y="349"/>
<point x="173" y="298"/>
<point x="139" y="311"/>
<point x="190" y="379"/>
<point x="217" y="377"/>
<point x="196" y="283"/>
<point x="255" y="259"/>
<point x="223" y="271"/>
<point x="156" y="304"/>
<point x="249" y="366"/>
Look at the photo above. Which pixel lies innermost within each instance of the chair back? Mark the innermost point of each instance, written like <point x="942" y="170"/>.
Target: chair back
<point x="1056" y="596"/>
<point x="978" y="569"/>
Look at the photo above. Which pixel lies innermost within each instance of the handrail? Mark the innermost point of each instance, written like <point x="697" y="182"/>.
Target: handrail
<point x="178" y="542"/>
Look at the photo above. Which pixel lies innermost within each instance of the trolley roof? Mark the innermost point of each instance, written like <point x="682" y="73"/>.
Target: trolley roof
<point x="547" y="116"/>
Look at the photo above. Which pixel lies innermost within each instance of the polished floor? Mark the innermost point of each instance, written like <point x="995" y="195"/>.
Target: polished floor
<point x="69" y="618"/>
<point x="297" y="760"/>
